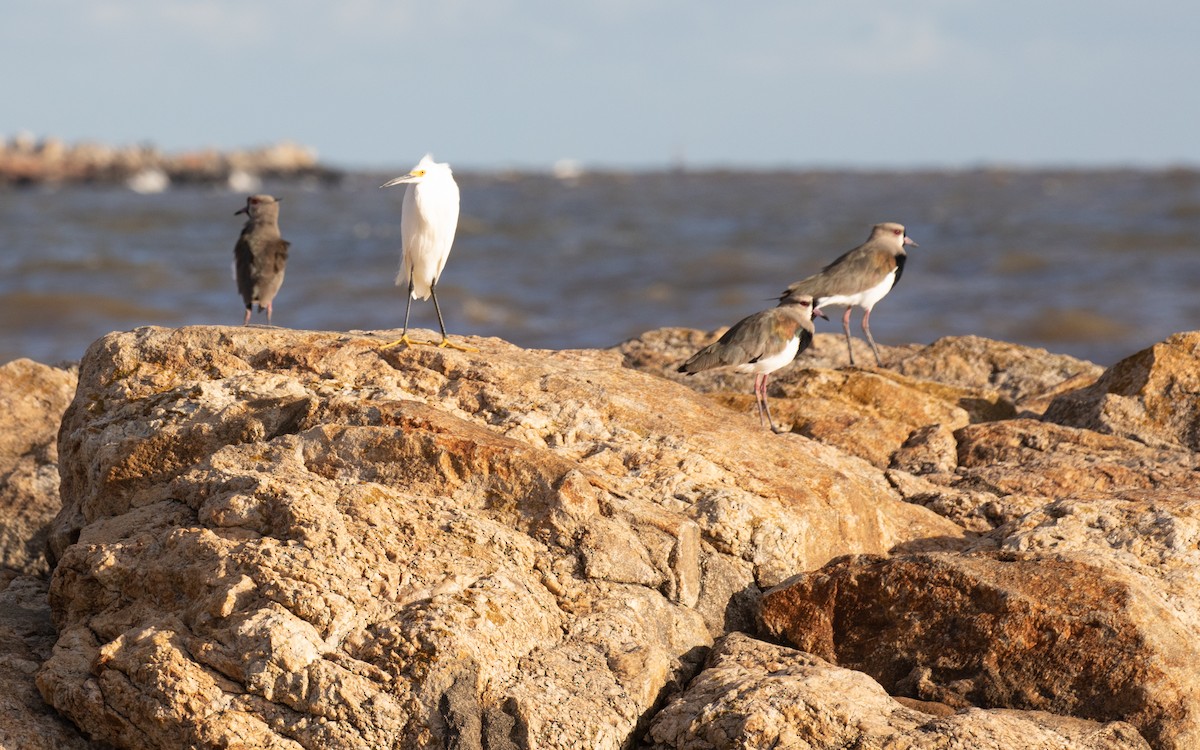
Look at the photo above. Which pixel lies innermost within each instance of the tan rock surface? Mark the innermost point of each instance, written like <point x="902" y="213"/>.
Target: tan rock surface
<point x="1021" y="375"/>
<point x="1026" y="376"/>
<point x="984" y="475"/>
<point x="288" y="539"/>
<point x="1071" y="634"/>
<point x="1152" y="396"/>
<point x="1038" y="458"/>
<point x="662" y="350"/>
<point x="26" y="639"/>
<point x="33" y="398"/>
<point x="756" y="695"/>
<point x="869" y="413"/>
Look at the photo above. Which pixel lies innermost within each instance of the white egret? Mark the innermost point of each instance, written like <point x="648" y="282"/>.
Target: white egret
<point x="761" y="343"/>
<point x="260" y="255"/>
<point x="859" y="278"/>
<point x="428" y="222"/>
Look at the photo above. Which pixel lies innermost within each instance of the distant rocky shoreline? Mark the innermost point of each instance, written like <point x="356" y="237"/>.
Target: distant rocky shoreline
<point x="260" y="537"/>
<point x="28" y="161"/>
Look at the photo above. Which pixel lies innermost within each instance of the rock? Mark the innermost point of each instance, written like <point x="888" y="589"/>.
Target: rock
<point x="276" y="538"/>
<point x="931" y="449"/>
<point x="973" y="509"/>
<point x="757" y="695"/>
<point x="1024" y="375"/>
<point x="33" y="398"/>
<point x="662" y="350"/>
<point x="869" y="413"/>
<point x="864" y="413"/>
<point x="984" y="475"/>
<point x="1152" y="397"/>
<point x="1071" y="634"/>
<point x="26" y="639"/>
<point x="1025" y="456"/>
<point x="1152" y="536"/>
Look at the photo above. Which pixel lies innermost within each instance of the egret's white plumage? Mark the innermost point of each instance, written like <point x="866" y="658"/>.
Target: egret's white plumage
<point x="428" y="221"/>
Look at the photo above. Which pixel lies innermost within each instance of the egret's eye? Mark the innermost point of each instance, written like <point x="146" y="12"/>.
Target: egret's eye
<point x="897" y="232"/>
<point x="419" y="172"/>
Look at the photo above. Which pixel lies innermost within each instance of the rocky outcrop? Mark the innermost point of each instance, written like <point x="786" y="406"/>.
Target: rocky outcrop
<point x="284" y="539"/>
<point x="991" y="379"/>
<point x="27" y="638"/>
<point x="33" y="398"/>
<point x="1079" y="599"/>
<point x="296" y="538"/>
<point x="1152" y="397"/>
<point x="756" y="695"/>
<point x="1028" y="377"/>
<point x="1002" y="629"/>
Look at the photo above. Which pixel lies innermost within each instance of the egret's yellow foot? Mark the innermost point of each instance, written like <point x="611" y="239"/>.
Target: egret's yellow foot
<point x="448" y="344"/>
<point x="406" y="341"/>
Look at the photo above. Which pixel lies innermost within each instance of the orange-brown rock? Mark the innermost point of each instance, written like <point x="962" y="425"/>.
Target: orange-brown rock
<point x="984" y="475"/>
<point x="33" y="398"/>
<point x="274" y="538"/>
<point x="1026" y="376"/>
<point x="757" y="695"/>
<point x="1071" y="635"/>
<point x="27" y="639"/>
<point x="662" y="350"/>
<point x="283" y="539"/>
<point x="1152" y="396"/>
<point x="1025" y="456"/>
<point x="869" y="413"/>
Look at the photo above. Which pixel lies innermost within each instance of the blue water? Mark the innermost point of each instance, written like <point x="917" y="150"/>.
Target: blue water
<point x="1093" y="264"/>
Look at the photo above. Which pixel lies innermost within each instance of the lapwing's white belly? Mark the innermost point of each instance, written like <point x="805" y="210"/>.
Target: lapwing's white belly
<point x="865" y="299"/>
<point x="773" y="362"/>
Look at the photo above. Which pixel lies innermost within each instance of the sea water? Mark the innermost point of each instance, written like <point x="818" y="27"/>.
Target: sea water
<point x="1096" y="264"/>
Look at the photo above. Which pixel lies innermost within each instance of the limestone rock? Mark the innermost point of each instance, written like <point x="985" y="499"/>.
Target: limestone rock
<point x="274" y="539"/>
<point x="756" y="695"/>
<point x="931" y="449"/>
<point x="662" y="350"/>
<point x="26" y="639"/>
<point x="1152" y="536"/>
<point x="985" y="475"/>
<point x="1025" y="456"/>
<point x="33" y="398"/>
<point x="977" y="510"/>
<point x="1068" y="634"/>
<point x="1024" y="375"/>
<point x="870" y="414"/>
<point x="1152" y="396"/>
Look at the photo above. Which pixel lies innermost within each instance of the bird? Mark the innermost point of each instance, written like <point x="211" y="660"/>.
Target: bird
<point x="859" y="278"/>
<point x="260" y="255"/>
<point x="760" y="343"/>
<point x="428" y="221"/>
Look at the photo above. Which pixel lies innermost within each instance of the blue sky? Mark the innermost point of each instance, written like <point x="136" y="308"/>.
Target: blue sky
<point x="617" y="83"/>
